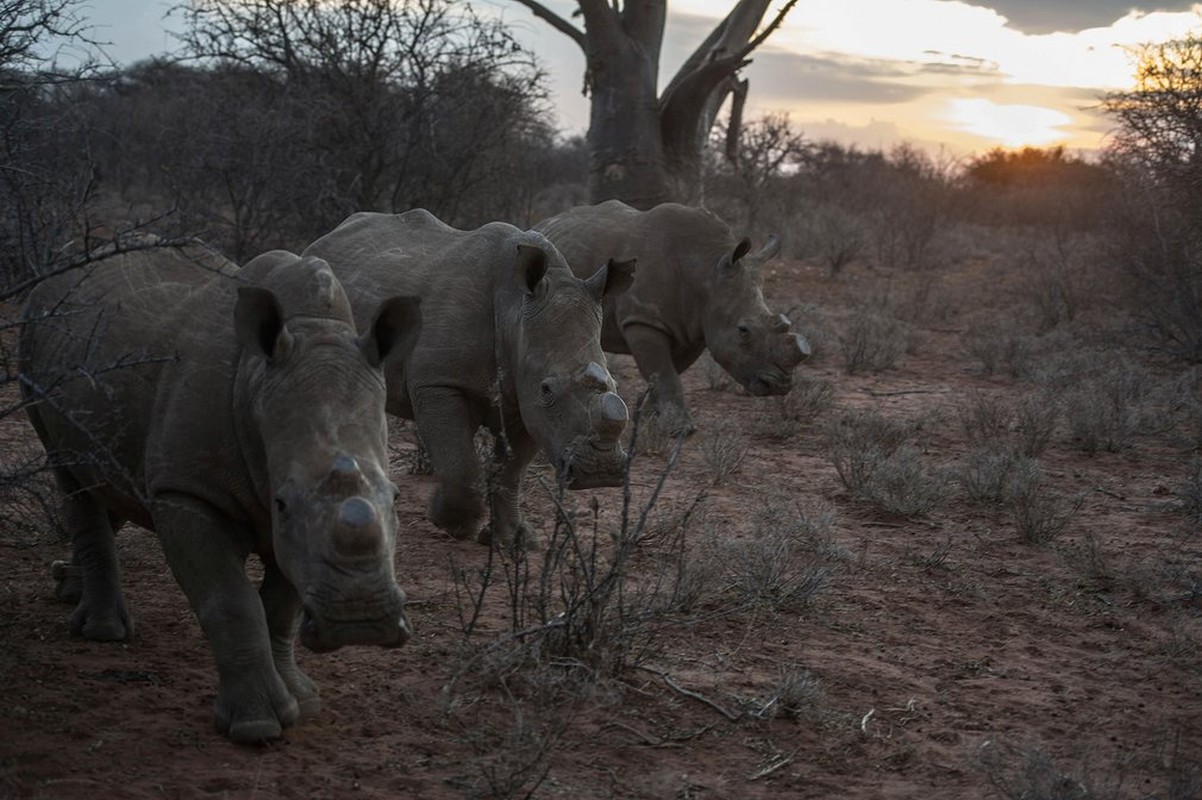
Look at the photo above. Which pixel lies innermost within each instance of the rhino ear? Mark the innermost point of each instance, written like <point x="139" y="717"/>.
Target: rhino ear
<point x="730" y="261"/>
<point x="259" y="322"/>
<point x="529" y="267"/>
<point x="612" y="279"/>
<point x="394" y="330"/>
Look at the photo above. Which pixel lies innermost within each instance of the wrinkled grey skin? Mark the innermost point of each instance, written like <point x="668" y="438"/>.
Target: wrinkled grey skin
<point x="230" y="412"/>
<point x="697" y="287"/>
<point x="510" y="339"/>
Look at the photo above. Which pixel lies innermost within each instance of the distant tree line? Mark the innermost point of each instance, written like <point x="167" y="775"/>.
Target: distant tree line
<point x="278" y="118"/>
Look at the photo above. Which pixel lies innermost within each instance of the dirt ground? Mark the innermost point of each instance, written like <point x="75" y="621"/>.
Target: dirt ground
<point x="936" y="655"/>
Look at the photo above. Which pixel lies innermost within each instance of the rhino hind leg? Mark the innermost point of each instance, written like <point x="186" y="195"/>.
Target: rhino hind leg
<point x="652" y="351"/>
<point x="100" y="613"/>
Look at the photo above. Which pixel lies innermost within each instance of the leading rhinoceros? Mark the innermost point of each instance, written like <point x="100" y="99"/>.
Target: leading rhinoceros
<point x="230" y="412"/>
<point x="510" y="339"/>
<point x="697" y="287"/>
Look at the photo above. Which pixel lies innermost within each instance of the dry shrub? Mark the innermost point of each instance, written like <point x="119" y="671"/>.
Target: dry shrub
<point x="1032" y="773"/>
<point x="1040" y="512"/>
<point x="834" y="235"/>
<point x="876" y="462"/>
<point x="873" y="340"/>
<point x="785" y="562"/>
<point x="1105" y="411"/>
<point x="724" y="448"/>
<point x="1001" y="347"/>
<point x="788" y="414"/>
<point x="989" y="474"/>
<point x="796" y="693"/>
<point x="1025" y="425"/>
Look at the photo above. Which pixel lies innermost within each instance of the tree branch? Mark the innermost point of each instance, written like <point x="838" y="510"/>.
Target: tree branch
<point x="555" y="21"/>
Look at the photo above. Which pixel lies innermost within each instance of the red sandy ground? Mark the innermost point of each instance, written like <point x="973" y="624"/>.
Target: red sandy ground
<point x="1001" y="667"/>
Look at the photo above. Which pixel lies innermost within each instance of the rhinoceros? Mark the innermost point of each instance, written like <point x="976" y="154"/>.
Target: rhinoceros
<point x="697" y="287"/>
<point x="510" y="340"/>
<point x="229" y="411"/>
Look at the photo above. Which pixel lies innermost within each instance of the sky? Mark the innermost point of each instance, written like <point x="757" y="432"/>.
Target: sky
<point x="959" y="76"/>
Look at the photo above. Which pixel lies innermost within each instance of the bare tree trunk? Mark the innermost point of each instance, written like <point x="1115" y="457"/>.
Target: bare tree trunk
<point x="646" y="147"/>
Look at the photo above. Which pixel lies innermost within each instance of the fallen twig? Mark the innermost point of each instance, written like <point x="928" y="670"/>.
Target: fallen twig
<point x="730" y="715"/>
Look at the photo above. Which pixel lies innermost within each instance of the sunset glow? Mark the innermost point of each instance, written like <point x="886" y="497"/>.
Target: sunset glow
<point x="1008" y="125"/>
<point x="945" y="72"/>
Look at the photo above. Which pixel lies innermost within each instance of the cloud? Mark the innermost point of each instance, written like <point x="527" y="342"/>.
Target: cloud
<point x="832" y="77"/>
<point x="1071" y="16"/>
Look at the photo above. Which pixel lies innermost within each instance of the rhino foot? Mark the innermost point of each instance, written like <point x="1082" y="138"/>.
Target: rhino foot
<point x="102" y="624"/>
<point x="68" y="582"/>
<point x="458" y="513"/>
<point x="522" y="536"/>
<point x="254" y="714"/>
<point x="308" y="697"/>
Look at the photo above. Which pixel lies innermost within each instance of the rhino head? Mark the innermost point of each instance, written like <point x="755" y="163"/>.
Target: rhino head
<point x="566" y="395"/>
<point x="755" y="346"/>
<point x="317" y="408"/>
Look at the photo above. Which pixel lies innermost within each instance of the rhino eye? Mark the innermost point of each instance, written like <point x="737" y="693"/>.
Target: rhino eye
<point x="744" y="329"/>
<point x="547" y="390"/>
<point x="280" y="506"/>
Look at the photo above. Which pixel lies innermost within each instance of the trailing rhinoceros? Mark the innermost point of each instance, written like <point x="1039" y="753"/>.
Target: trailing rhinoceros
<point x="230" y="412"/>
<point x="697" y="287"/>
<point x="510" y="339"/>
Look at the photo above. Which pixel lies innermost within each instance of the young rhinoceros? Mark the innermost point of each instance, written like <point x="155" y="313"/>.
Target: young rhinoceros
<point x="510" y="339"/>
<point x="696" y="287"/>
<point x="230" y="412"/>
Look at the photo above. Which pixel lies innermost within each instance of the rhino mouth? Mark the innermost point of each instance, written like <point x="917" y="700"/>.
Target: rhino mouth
<point x="590" y="465"/>
<point x="321" y="634"/>
<point x="770" y="382"/>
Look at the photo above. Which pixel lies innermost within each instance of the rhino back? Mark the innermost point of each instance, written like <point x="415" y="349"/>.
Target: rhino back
<point x="464" y="280"/>
<point x="677" y="247"/>
<point x="117" y="355"/>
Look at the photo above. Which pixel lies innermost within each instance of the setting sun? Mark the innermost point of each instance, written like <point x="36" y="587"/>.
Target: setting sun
<point x="1009" y="125"/>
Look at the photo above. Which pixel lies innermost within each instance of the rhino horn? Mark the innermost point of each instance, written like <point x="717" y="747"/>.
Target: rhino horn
<point x="595" y="377"/>
<point x="769" y="251"/>
<point x="609" y="418"/>
<point x="795" y="349"/>
<point x="357" y="530"/>
<point x="345" y="476"/>
<point x="782" y="324"/>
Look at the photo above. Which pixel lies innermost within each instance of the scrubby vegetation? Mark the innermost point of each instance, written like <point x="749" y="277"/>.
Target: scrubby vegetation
<point x="999" y="431"/>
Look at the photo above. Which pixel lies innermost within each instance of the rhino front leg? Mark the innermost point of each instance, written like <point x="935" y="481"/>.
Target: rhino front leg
<point x="506" y="526"/>
<point x="447" y="426"/>
<point x="652" y="351"/>
<point x="281" y="605"/>
<point x="208" y="560"/>
<point x="101" y="613"/>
